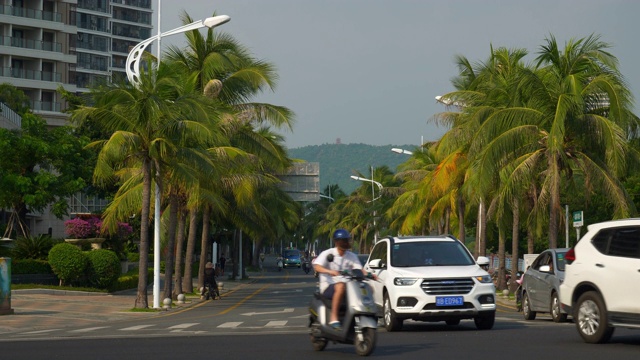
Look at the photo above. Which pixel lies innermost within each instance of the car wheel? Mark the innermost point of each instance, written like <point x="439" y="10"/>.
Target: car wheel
<point x="556" y="313"/>
<point x="591" y="318"/>
<point x="526" y="308"/>
<point x="485" y="322"/>
<point x="391" y="322"/>
<point x="453" y="322"/>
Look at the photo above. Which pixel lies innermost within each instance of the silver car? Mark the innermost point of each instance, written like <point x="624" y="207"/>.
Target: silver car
<point x="541" y="284"/>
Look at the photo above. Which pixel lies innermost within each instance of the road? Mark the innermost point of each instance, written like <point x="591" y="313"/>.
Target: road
<point x="268" y="319"/>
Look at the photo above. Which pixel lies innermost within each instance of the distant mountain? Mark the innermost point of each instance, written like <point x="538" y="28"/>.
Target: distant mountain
<point x="339" y="161"/>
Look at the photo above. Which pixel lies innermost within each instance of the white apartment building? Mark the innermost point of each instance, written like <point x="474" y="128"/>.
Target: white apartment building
<point x="45" y="44"/>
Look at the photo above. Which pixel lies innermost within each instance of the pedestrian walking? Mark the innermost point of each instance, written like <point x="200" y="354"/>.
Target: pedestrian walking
<point x="222" y="261"/>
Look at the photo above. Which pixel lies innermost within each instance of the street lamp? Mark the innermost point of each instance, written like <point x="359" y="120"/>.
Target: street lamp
<point x="133" y="74"/>
<point x="374" y="198"/>
<point x="402" y="151"/>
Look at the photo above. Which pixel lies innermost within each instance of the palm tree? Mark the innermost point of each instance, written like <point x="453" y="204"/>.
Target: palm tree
<point x="145" y="122"/>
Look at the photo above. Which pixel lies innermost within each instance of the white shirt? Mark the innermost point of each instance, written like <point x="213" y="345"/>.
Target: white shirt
<point x="348" y="261"/>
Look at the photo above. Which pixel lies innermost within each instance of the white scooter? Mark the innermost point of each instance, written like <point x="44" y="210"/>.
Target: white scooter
<point x="358" y="317"/>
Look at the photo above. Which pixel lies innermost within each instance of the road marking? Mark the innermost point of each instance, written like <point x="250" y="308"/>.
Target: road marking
<point x="245" y="299"/>
<point x="183" y="326"/>
<point x="88" y="329"/>
<point x="39" y="332"/>
<point x="137" y="327"/>
<point x="287" y="292"/>
<point x="276" y="323"/>
<point x="230" y="324"/>
<point x="288" y="310"/>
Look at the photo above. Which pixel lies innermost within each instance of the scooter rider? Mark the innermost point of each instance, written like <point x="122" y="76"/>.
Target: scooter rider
<point x="331" y="285"/>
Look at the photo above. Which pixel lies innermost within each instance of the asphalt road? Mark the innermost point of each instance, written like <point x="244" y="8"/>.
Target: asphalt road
<point x="268" y="320"/>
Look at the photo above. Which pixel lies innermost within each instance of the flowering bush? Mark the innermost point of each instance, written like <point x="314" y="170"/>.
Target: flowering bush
<point x="79" y="228"/>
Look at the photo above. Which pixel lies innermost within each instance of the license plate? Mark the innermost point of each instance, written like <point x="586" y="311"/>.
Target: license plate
<point x="449" y="301"/>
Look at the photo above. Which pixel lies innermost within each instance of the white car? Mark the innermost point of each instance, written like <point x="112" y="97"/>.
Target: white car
<point x="430" y="278"/>
<point x="600" y="282"/>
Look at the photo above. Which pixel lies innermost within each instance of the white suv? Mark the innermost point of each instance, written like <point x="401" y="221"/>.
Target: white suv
<point x="602" y="274"/>
<point x="430" y="278"/>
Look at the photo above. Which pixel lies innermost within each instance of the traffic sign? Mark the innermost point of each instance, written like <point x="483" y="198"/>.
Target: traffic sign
<point x="578" y="219"/>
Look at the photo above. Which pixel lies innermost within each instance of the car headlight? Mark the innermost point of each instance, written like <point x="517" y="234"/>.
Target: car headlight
<point x="404" y="281"/>
<point x="484" y="278"/>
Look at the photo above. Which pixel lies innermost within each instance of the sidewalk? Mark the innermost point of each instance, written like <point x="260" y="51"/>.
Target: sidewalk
<point x="38" y="309"/>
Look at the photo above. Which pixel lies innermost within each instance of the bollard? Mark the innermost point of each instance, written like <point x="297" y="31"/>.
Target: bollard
<point x="167" y="303"/>
<point x="181" y="298"/>
<point x="5" y="286"/>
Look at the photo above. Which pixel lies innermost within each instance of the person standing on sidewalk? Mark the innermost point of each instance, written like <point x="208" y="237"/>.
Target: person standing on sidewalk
<point x="222" y="260"/>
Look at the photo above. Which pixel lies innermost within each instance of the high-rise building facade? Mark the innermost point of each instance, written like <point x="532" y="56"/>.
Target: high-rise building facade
<point x="45" y="44"/>
<point x="68" y="43"/>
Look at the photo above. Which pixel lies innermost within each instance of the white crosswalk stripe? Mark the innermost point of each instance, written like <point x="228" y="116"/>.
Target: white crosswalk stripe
<point x="230" y="324"/>
<point x="182" y="326"/>
<point x="276" y="323"/>
<point x="137" y="327"/>
<point x="88" y="329"/>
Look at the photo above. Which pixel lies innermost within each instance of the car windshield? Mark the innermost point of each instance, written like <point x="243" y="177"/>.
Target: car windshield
<point x="291" y="253"/>
<point x="430" y="253"/>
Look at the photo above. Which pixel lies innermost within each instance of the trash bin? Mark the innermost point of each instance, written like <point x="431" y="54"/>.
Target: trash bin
<point x="5" y="286"/>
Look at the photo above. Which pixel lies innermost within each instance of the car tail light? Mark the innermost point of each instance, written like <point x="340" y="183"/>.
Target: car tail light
<point x="570" y="256"/>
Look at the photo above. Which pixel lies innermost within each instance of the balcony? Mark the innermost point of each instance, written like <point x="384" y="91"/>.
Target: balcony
<point x="31" y="74"/>
<point x="31" y="44"/>
<point x="30" y="13"/>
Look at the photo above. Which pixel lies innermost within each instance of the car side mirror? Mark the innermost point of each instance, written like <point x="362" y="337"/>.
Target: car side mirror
<point x="375" y="263"/>
<point x="483" y="262"/>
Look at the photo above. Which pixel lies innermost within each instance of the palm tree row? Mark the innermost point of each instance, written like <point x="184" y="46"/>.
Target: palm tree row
<point x="522" y="140"/>
<point x="190" y="127"/>
<point x="523" y="134"/>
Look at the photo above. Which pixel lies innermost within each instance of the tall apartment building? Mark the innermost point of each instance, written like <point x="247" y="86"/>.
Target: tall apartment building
<point x="45" y="44"/>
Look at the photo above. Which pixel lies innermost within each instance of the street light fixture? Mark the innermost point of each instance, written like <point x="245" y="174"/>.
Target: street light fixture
<point x="402" y="151"/>
<point x="133" y="74"/>
<point x="374" y="198"/>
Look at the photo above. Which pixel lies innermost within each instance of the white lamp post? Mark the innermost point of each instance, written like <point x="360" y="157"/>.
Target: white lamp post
<point x="380" y="187"/>
<point x="133" y="74"/>
<point x="402" y="151"/>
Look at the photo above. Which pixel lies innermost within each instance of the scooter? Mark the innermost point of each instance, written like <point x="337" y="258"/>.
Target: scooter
<point x="358" y="317"/>
<point x="306" y="265"/>
<point x="280" y="264"/>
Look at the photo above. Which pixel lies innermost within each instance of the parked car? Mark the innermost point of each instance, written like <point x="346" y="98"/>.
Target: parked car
<point x="541" y="285"/>
<point x="430" y="278"/>
<point x="600" y="287"/>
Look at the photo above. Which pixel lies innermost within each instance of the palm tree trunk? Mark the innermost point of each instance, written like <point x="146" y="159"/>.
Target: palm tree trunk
<point x="204" y="244"/>
<point x="514" y="244"/>
<point x="502" y="281"/>
<point x="182" y="220"/>
<point x="171" y="240"/>
<point x="554" y="203"/>
<point x="461" y="208"/>
<point x="142" y="302"/>
<point x="187" y="281"/>
<point x="483" y="229"/>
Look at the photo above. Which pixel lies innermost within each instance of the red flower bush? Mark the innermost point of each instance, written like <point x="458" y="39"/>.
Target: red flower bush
<point x="79" y="228"/>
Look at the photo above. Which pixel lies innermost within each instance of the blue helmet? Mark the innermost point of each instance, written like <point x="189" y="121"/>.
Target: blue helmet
<point x="341" y="234"/>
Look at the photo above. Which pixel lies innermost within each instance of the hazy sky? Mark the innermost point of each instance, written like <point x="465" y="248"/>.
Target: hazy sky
<point x="367" y="71"/>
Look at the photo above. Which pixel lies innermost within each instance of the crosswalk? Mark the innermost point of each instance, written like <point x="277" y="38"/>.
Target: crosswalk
<point x="176" y="328"/>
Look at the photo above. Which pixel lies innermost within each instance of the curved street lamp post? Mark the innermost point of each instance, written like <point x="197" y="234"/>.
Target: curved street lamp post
<point x="133" y="74"/>
<point x="374" y="198"/>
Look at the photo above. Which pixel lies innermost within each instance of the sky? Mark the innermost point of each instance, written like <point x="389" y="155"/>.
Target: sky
<point x="368" y="71"/>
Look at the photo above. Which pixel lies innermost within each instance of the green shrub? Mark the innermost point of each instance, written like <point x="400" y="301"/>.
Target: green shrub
<point x="33" y="247"/>
<point x="104" y="268"/>
<point x="68" y="262"/>
<point x="30" y="266"/>
<point x="129" y="281"/>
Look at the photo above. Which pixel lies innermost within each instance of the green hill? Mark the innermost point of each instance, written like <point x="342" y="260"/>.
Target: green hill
<point x="339" y="161"/>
